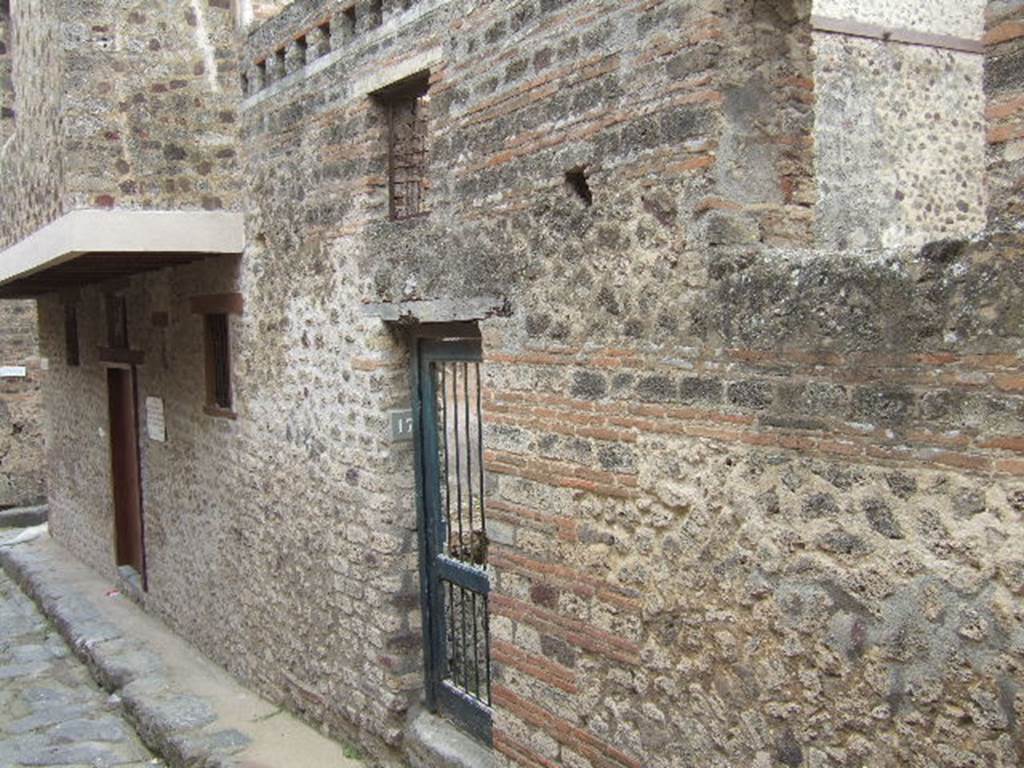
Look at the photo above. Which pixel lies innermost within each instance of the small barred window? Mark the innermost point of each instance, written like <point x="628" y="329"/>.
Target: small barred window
<point x="218" y="362"/>
<point x="405" y="106"/>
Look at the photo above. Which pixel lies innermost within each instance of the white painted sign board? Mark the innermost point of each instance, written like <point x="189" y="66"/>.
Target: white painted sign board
<point x="155" y="425"/>
<point x="13" y="372"/>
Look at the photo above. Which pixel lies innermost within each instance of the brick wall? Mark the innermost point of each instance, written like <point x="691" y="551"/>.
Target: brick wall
<point x="1004" y="41"/>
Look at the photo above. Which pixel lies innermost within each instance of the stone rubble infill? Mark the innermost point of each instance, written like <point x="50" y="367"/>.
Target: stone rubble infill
<point x="184" y="708"/>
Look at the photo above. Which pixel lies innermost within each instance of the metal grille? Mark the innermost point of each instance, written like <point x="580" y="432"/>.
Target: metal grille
<point x="407" y="151"/>
<point x="462" y="486"/>
<point x="219" y="360"/>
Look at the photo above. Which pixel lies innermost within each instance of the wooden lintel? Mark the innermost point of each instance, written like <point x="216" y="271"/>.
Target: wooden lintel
<point x="217" y="304"/>
<point x="854" y="28"/>
<point x="122" y="356"/>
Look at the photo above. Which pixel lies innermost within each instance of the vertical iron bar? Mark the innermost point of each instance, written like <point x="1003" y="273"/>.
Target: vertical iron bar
<point x="487" y="646"/>
<point x="451" y="641"/>
<point x="462" y="646"/>
<point x="476" y="647"/>
<point x="458" y="457"/>
<point x="469" y="451"/>
<point x="444" y="439"/>
<point x="480" y="447"/>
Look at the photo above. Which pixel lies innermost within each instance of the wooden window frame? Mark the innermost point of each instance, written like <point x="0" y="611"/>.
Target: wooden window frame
<point x="221" y="305"/>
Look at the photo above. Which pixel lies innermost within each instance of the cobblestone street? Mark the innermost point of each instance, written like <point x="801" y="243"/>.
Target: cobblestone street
<point x="52" y="713"/>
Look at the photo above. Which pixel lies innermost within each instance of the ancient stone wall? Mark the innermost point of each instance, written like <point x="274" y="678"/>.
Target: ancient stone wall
<point x="1004" y="88"/>
<point x="127" y="104"/>
<point x="6" y="73"/>
<point x="22" y="471"/>
<point x="149" y="96"/>
<point x="31" y="162"/>
<point x="754" y="502"/>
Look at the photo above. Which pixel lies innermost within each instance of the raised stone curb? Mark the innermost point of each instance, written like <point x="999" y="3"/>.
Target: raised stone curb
<point x="23" y="517"/>
<point x="180" y="728"/>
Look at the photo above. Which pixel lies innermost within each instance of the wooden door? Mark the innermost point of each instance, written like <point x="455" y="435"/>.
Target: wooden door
<point x="124" y="465"/>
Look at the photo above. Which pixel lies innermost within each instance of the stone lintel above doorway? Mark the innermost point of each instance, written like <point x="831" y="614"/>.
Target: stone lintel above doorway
<point x="439" y="310"/>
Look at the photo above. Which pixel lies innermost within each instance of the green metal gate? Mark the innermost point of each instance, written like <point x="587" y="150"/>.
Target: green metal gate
<point x="453" y="531"/>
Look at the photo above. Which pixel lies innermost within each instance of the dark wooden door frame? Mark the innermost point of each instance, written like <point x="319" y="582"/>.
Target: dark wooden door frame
<point x="126" y="468"/>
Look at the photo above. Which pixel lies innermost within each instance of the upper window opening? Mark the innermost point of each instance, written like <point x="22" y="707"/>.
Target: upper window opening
<point x="405" y="106"/>
<point x="117" y="321"/>
<point x="216" y="310"/>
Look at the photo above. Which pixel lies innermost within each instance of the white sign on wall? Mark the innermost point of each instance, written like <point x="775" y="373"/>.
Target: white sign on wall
<point x="13" y="372"/>
<point x="155" y="425"/>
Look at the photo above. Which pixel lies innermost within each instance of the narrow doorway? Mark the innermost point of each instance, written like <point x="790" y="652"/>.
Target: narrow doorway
<point x="455" y="577"/>
<point x="124" y="470"/>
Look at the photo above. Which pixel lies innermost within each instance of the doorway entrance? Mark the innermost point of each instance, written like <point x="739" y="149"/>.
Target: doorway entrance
<point x="453" y="523"/>
<point x="125" y="471"/>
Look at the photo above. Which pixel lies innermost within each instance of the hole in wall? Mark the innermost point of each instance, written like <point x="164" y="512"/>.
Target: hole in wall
<point x="349" y="18"/>
<point x="576" y="182"/>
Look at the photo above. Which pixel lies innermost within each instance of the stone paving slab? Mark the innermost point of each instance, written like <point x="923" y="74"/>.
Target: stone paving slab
<point x="183" y="707"/>
<point x="52" y="713"/>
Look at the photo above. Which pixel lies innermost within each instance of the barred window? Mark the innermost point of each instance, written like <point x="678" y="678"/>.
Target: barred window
<point x="405" y="107"/>
<point x="218" y="361"/>
<point x="216" y="310"/>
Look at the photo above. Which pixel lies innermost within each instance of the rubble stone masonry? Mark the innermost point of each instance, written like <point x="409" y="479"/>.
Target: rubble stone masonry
<point x="752" y="422"/>
<point x="22" y="470"/>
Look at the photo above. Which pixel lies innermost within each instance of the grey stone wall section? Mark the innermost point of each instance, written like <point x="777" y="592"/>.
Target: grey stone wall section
<point x="899" y="143"/>
<point x="22" y="474"/>
<point x="31" y="166"/>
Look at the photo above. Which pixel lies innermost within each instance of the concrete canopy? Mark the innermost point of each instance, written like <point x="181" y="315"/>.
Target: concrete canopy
<point x="89" y="246"/>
